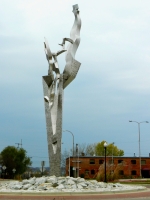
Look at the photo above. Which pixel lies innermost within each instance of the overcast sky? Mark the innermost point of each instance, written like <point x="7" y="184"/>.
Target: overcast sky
<point x="112" y="85"/>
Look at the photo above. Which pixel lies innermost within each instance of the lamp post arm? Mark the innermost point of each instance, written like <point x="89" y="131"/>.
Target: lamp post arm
<point x="73" y="140"/>
<point x="139" y="122"/>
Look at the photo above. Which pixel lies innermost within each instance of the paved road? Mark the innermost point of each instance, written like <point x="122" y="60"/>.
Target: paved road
<point x="140" y="195"/>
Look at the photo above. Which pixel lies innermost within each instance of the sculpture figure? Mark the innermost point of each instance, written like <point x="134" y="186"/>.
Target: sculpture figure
<point x="53" y="86"/>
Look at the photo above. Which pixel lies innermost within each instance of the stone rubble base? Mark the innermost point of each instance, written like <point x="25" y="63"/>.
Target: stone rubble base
<point x="53" y="184"/>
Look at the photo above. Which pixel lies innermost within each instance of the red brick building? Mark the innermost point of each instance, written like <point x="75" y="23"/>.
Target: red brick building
<point x="89" y="166"/>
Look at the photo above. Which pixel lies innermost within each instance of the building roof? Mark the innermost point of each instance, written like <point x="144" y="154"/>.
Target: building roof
<point x="133" y="157"/>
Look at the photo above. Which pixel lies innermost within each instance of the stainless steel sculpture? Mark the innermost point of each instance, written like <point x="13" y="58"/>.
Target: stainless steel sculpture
<point x="53" y="86"/>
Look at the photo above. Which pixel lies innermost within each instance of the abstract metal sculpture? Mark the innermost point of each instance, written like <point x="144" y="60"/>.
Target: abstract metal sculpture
<point x="53" y="86"/>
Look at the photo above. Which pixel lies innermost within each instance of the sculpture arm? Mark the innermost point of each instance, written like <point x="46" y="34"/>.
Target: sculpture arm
<point x="64" y="40"/>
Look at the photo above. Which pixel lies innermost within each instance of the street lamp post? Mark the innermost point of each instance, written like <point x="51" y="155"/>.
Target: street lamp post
<point x="105" y="147"/>
<point x="139" y="140"/>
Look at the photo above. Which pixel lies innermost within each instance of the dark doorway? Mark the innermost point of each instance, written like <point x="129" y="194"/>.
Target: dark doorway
<point x="71" y="171"/>
<point x="145" y="173"/>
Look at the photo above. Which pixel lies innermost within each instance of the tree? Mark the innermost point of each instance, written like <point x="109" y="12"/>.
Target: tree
<point x="0" y="158"/>
<point x="97" y="149"/>
<point x="111" y="150"/>
<point x="87" y="149"/>
<point x="13" y="157"/>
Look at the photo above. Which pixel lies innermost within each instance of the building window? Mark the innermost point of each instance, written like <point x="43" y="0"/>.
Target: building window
<point x="133" y="172"/>
<point x="92" y="161"/>
<point x="101" y="161"/>
<point x="120" y="161"/>
<point x="86" y="171"/>
<point x="133" y="161"/>
<point x="121" y="172"/>
<point x="92" y="171"/>
<point x="143" y="162"/>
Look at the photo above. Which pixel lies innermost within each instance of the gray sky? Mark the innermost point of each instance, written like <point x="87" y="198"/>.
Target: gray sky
<point x="111" y="88"/>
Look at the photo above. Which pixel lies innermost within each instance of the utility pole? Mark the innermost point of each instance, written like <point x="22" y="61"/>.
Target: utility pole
<point x="19" y="144"/>
<point x="42" y="165"/>
<point x="76" y="160"/>
<point x="112" y="152"/>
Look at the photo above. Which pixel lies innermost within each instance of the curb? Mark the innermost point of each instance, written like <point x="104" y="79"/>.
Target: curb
<point x="39" y="193"/>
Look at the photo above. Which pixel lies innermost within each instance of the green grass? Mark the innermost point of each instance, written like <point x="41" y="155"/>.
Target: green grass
<point x="136" y="182"/>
